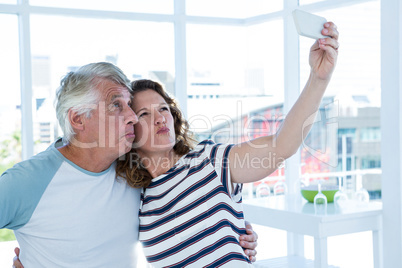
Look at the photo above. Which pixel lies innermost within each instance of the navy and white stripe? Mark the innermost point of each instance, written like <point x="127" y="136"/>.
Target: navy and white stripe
<point x="192" y="215"/>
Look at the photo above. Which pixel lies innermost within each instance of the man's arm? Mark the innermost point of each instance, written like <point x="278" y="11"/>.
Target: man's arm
<point x="10" y="206"/>
<point x="22" y="186"/>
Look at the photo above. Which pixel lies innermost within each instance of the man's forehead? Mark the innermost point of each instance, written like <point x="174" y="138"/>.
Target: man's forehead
<point x="112" y="90"/>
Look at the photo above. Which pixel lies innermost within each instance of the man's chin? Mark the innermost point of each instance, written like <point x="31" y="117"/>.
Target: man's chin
<point x="124" y="150"/>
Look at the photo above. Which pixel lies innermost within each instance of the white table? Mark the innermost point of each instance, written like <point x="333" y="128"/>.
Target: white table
<point x="295" y="215"/>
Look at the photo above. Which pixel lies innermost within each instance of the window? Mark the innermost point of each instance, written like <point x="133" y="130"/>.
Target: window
<point x="234" y="71"/>
<point x="355" y="94"/>
<point x="232" y="74"/>
<point x="10" y="95"/>
<point x="238" y="76"/>
<point x="371" y="162"/>
<point x="370" y="134"/>
<point x="231" y="8"/>
<point x="56" y="51"/>
<point x="305" y="2"/>
<point x="138" y="6"/>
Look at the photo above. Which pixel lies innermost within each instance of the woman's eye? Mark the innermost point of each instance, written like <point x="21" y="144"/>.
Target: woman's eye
<point x="164" y="109"/>
<point x="143" y="114"/>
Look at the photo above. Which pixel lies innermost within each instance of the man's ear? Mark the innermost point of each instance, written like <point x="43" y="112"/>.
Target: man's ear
<point x="76" y="120"/>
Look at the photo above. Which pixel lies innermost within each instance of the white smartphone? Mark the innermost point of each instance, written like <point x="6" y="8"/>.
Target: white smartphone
<point x="308" y="24"/>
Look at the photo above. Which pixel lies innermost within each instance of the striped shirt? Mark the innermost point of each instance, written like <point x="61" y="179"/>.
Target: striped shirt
<point x="192" y="215"/>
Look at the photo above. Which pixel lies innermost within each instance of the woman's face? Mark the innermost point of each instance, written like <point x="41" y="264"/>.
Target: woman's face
<point x="154" y="131"/>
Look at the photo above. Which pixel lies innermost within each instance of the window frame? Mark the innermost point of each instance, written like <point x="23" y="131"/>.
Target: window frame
<point x="391" y="75"/>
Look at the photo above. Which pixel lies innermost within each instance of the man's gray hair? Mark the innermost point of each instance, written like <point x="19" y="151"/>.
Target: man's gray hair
<point x="78" y="91"/>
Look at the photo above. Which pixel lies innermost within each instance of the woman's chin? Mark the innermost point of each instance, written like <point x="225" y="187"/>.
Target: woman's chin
<point x="164" y="145"/>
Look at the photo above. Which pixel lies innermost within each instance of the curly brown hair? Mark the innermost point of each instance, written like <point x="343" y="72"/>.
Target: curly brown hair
<point x="130" y="166"/>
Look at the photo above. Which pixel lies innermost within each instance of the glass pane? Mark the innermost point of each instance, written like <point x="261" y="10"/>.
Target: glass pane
<point x="346" y="138"/>
<point x="8" y="1"/>
<point x="10" y="94"/>
<point x="238" y="76"/>
<point x="61" y="44"/>
<point x="138" y="6"/>
<point x="304" y="2"/>
<point x="231" y="8"/>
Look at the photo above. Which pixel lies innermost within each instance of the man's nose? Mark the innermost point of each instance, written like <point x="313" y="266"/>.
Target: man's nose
<point x="131" y="117"/>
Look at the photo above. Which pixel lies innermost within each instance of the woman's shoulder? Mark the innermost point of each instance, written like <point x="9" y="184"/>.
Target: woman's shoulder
<point x="207" y="147"/>
<point x="204" y="145"/>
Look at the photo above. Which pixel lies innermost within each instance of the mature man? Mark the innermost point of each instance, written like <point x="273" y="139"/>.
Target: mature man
<point x="65" y="205"/>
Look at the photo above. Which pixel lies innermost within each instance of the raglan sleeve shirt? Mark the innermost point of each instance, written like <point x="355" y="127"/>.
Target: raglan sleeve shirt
<point x="21" y="188"/>
<point x="65" y="216"/>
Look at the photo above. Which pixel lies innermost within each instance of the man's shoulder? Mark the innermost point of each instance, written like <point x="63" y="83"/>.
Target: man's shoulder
<point x="22" y="186"/>
<point x="42" y="162"/>
<point x="40" y="167"/>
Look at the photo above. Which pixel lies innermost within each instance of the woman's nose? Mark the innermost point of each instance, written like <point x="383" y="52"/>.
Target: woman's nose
<point x="159" y="118"/>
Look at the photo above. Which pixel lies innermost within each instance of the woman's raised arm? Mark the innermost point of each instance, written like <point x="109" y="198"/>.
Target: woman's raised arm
<point x="254" y="160"/>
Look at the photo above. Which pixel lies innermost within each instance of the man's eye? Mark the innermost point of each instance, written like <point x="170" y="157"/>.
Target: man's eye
<point x="115" y="105"/>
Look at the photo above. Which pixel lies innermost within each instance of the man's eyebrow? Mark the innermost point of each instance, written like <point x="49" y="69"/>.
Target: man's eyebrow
<point x="116" y="96"/>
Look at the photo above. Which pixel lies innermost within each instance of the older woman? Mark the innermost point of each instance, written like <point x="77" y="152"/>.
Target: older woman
<point x="191" y="211"/>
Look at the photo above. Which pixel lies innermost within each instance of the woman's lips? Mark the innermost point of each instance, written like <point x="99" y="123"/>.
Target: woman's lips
<point x="163" y="130"/>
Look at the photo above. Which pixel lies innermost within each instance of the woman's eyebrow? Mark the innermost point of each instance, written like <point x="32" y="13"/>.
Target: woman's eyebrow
<point x="140" y="110"/>
<point x="155" y="105"/>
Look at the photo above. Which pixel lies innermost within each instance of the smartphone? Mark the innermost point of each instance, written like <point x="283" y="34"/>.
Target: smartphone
<point x="308" y="24"/>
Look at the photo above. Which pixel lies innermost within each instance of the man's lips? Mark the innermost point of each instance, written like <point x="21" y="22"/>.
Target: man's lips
<point x="130" y="135"/>
<point x="163" y="130"/>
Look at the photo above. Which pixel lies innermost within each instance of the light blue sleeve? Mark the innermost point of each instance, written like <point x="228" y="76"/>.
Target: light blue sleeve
<point x="22" y="186"/>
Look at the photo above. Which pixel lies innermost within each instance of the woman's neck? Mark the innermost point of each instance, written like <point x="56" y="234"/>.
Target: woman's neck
<point x="159" y="163"/>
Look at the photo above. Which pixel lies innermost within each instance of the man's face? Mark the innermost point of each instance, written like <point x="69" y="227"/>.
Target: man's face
<point x="111" y="124"/>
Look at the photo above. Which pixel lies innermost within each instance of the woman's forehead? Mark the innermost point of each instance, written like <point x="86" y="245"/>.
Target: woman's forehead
<point x="146" y="99"/>
<point x="148" y="96"/>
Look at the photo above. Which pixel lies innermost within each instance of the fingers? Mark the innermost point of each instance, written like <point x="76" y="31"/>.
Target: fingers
<point x="330" y="29"/>
<point x="249" y="245"/>
<point x="251" y="235"/>
<point x="16" y="261"/>
<point x="251" y="254"/>
<point x="17" y="251"/>
<point x="249" y="242"/>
